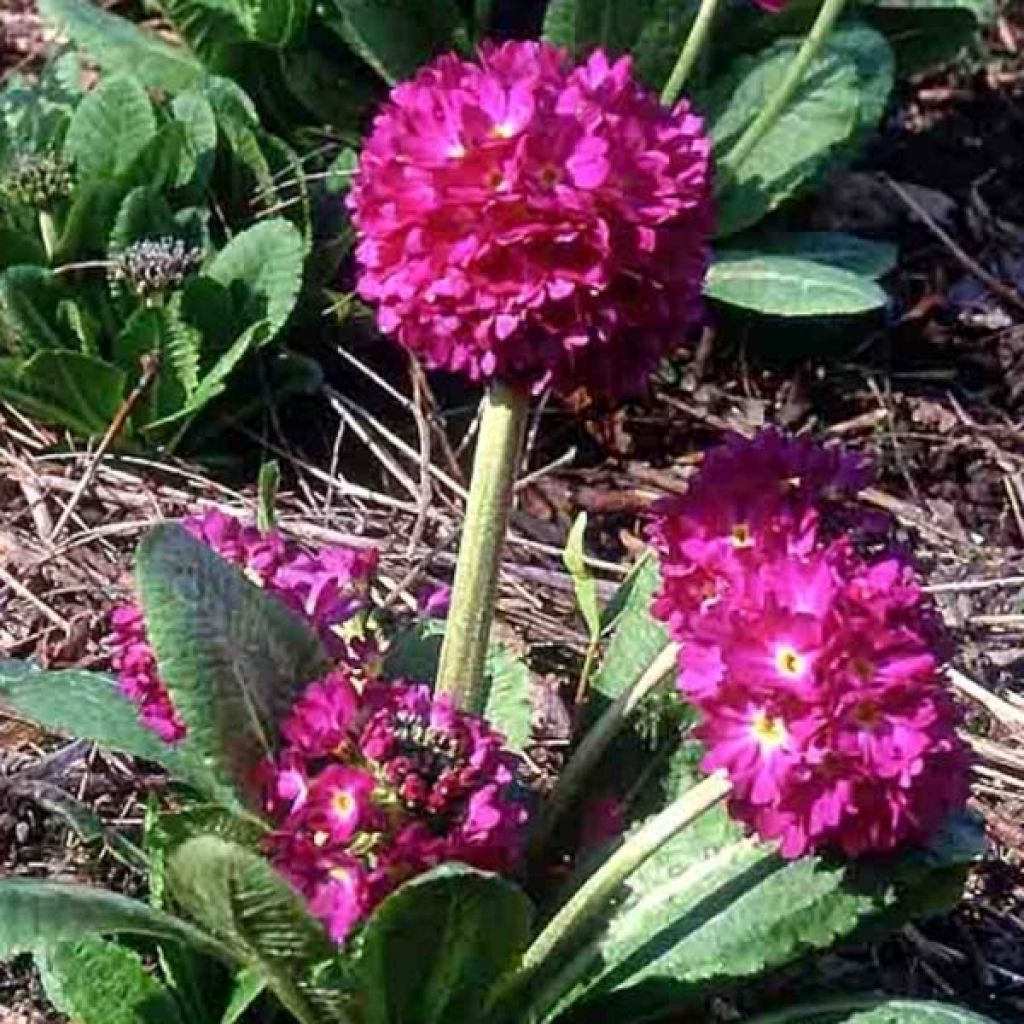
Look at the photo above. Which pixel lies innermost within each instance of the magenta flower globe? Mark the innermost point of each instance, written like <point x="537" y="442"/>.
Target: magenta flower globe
<point x="378" y="782"/>
<point x="525" y="219"/>
<point x="815" y="670"/>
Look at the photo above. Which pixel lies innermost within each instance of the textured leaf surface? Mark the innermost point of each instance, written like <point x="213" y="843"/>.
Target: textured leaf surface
<point x="712" y="908"/>
<point x="395" y="37"/>
<point x="144" y="214"/>
<point x="119" y="46"/>
<point x="262" y="267"/>
<point x="233" y="657"/>
<point x="478" y="924"/>
<point x="99" y="982"/>
<point x="840" y="99"/>
<point x="29" y="297"/>
<point x="110" y="128"/>
<point x="581" y="25"/>
<point x="240" y="899"/>
<point x="89" y="706"/>
<point x="35" y="914"/>
<point x="785" y="286"/>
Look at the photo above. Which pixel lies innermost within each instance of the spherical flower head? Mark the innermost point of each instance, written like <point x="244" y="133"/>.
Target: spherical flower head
<point x="832" y="721"/>
<point x="325" y="588"/>
<point x="382" y="784"/>
<point x="525" y="219"/>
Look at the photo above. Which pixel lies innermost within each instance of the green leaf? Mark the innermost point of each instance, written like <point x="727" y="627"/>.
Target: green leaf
<point x="89" y="705"/>
<point x="119" y="46"/>
<point x="712" y="908"/>
<point x="263" y="269"/>
<point x="110" y="128"/>
<point x="250" y="984"/>
<point x="240" y="899"/>
<point x="16" y="247"/>
<point x="415" y="652"/>
<point x="233" y="658"/>
<point x="266" y="489"/>
<point x="70" y="388"/>
<point x="99" y="982"/>
<point x="207" y="26"/>
<point x="278" y="22"/>
<point x="872" y="1010"/>
<point x="35" y="914"/>
<point x="784" y="286"/>
<point x="194" y="111"/>
<point x="90" y="220"/>
<point x="581" y="25"/>
<point x="927" y="33"/>
<point x="863" y="256"/>
<point x="395" y="38"/>
<point x="638" y="637"/>
<point x="839" y="101"/>
<point x="144" y="214"/>
<point x="478" y="925"/>
<point x="29" y="301"/>
<point x="582" y="580"/>
<point x="158" y="163"/>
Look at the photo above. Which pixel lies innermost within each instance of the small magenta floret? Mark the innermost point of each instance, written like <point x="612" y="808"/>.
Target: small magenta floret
<point x="375" y="787"/>
<point x="326" y="588"/>
<point x="815" y="670"/>
<point x="523" y="218"/>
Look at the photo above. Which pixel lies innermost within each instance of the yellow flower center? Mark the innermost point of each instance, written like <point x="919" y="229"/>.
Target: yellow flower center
<point x="770" y="733"/>
<point x="741" y="536"/>
<point x="789" y="661"/>
<point x="503" y="130"/>
<point x="343" y="803"/>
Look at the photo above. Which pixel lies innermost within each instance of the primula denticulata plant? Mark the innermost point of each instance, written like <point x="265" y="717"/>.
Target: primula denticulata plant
<point x="768" y="763"/>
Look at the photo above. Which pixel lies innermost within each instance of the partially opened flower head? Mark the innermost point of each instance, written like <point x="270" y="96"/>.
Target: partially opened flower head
<point x="815" y="670"/>
<point x="374" y="786"/>
<point x="530" y="220"/>
<point x="326" y="588"/>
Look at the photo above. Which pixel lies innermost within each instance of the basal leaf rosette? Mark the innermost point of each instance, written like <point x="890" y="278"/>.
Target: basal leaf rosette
<point x="815" y="668"/>
<point x="527" y="220"/>
<point x="326" y="588"/>
<point x="374" y="786"/>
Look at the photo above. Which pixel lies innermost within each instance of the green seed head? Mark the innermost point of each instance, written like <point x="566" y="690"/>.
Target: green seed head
<point x="37" y="180"/>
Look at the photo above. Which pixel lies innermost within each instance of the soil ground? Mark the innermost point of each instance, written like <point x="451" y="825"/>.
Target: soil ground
<point x="935" y="394"/>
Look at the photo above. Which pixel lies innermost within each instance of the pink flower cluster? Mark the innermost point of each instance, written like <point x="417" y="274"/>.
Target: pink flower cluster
<point x="374" y="787"/>
<point x="325" y="587"/>
<point x="815" y="669"/>
<point x="522" y="218"/>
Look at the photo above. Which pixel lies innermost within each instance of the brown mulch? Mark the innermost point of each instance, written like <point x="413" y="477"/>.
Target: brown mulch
<point x="936" y="396"/>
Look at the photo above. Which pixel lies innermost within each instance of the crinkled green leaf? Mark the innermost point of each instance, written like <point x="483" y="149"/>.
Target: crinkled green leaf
<point x="119" y="46"/>
<point x="872" y="1010"/>
<point x="35" y="914"/>
<point x="29" y="300"/>
<point x="17" y="247"/>
<point x="786" y="286"/>
<point x="478" y="924"/>
<point x="110" y="128"/>
<point x="195" y="113"/>
<point x="98" y="982"/>
<point x="144" y="214"/>
<point x="262" y="267"/>
<point x="233" y="657"/>
<point x="581" y="25"/>
<point x="88" y="705"/>
<point x="840" y="100"/>
<point x="240" y="899"/>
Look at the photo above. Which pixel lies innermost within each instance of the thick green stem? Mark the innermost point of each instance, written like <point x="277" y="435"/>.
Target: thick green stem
<point x="468" y="631"/>
<point x="48" y="230"/>
<point x="596" y="741"/>
<point x="777" y="102"/>
<point x="598" y="889"/>
<point x="690" y="52"/>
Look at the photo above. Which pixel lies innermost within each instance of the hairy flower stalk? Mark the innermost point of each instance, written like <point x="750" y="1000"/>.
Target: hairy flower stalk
<point x="40" y="182"/>
<point x="828" y="15"/>
<point x="468" y="629"/>
<point x="531" y="224"/>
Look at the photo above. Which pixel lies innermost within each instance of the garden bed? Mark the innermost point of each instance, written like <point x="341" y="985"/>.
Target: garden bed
<point x="935" y="399"/>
